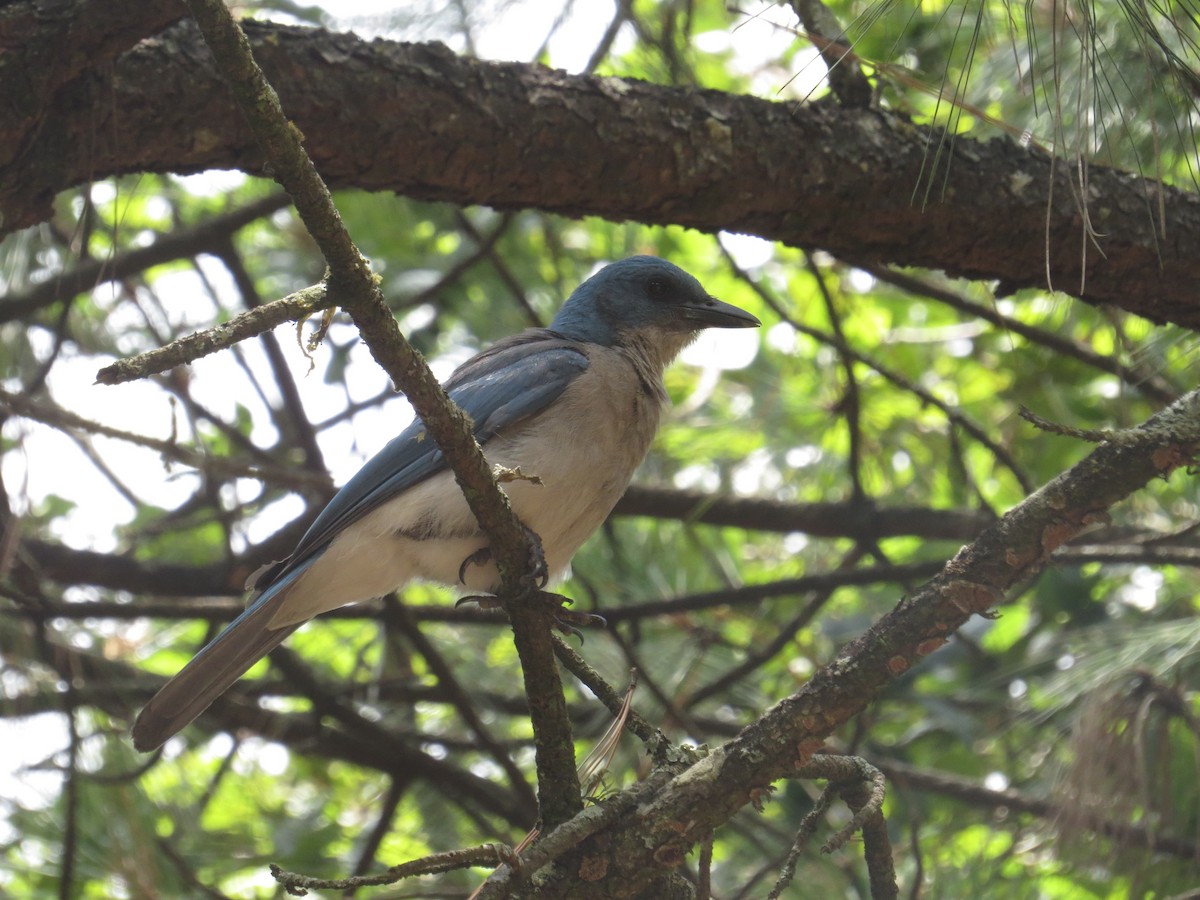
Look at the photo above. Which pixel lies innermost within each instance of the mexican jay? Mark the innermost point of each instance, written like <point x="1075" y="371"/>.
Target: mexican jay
<point x="576" y="405"/>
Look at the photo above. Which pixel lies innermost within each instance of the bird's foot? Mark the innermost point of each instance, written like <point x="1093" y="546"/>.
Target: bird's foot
<point x="568" y="621"/>
<point x="538" y="574"/>
<point x="480" y="557"/>
<point x="483" y="601"/>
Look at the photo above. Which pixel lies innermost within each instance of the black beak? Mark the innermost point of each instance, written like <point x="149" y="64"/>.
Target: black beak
<point x="714" y="313"/>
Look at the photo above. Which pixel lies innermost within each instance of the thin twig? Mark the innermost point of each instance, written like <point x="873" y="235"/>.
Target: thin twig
<point x="484" y="855"/>
<point x="608" y="695"/>
<point x="214" y="466"/>
<point x="808" y="827"/>
<point x="188" y="349"/>
<point x="1091" y="435"/>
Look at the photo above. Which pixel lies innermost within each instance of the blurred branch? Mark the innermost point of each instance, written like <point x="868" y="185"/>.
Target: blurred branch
<point x="846" y="77"/>
<point x="180" y="243"/>
<point x="674" y="717"/>
<point x="862" y="521"/>
<point x="369" y="848"/>
<point x="184" y="867"/>
<point x="67" y="565"/>
<point x="849" y="405"/>
<point x="783" y="637"/>
<point x="402" y="617"/>
<point x="220" y="467"/>
<point x="70" y="839"/>
<point x="486" y="249"/>
<point x="292" y="420"/>
<point x="752" y="594"/>
<point x="1151" y="383"/>
<point x="1010" y="800"/>
<point x="300" y="732"/>
<point x="951" y="412"/>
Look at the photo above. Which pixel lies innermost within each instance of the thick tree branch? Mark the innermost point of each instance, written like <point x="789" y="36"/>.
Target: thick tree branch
<point x="418" y="120"/>
<point x="1007" y="554"/>
<point x="47" y="48"/>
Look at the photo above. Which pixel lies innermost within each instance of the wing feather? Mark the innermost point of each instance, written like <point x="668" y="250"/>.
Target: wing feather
<point x="501" y="387"/>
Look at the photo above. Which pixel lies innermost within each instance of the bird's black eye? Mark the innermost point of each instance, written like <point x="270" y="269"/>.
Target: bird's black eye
<point x="656" y="288"/>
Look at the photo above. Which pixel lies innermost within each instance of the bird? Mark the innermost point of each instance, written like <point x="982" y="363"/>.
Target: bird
<point x="573" y="406"/>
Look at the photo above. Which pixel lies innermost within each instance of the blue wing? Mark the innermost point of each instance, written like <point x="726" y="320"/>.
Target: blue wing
<point x="507" y="384"/>
<point x="515" y="379"/>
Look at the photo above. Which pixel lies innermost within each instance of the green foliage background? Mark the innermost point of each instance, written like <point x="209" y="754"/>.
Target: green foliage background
<point x="860" y="392"/>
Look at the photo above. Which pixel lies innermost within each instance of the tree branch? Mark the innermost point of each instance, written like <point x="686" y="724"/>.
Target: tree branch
<point x="846" y="77"/>
<point x="862" y="521"/>
<point x="356" y="288"/>
<point x="180" y="243"/>
<point x="420" y="121"/>
<point x="195" y="346"/>
<point x="1008" y="553"/>
<point x="973" y="793"/>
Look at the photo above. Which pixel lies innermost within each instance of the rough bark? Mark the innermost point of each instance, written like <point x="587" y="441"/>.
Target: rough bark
<point x="420" y="121"/>
<point x="656" y="837"/>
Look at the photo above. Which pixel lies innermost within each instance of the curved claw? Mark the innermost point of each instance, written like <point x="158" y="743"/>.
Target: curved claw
<point x="478" y="558"/>
<point x="483" y="601"/>
<point x="569" y="631"/>
<point x="535" y="579"/>
<point x="568" y="621"/>
<point x="572" y="623"/>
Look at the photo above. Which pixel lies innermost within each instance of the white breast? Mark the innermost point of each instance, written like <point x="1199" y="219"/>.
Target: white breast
<point x="583" y="449"/>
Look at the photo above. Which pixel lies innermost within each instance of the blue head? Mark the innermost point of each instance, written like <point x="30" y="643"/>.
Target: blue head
<point x="646" y="297"/>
